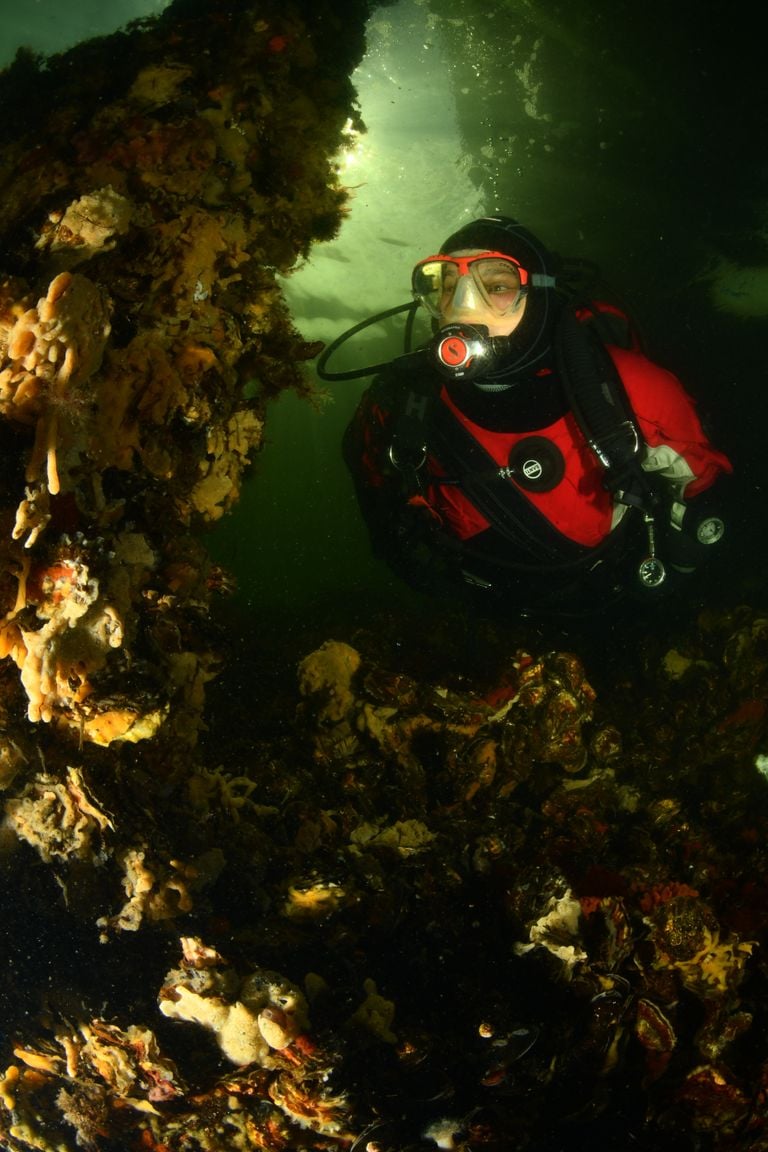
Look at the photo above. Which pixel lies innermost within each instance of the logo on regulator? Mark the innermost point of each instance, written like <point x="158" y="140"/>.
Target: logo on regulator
<point x="454" y="352"/>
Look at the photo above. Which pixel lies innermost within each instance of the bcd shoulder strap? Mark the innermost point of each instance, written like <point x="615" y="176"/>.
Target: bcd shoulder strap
<point x="602" y="409"/>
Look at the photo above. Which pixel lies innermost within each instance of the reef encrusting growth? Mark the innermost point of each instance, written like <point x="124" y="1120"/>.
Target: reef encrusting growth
<point x="412" y="913"/>
<point x="153" y="183"/>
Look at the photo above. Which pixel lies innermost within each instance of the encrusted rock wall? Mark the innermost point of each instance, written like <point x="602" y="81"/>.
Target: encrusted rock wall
<point x="153" y="183"/>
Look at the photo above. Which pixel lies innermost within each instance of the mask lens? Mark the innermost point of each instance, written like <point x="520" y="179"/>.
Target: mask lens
<point x="431" y="281"/>
<point x="495" y="279"/>
<point x="498" y="282"/>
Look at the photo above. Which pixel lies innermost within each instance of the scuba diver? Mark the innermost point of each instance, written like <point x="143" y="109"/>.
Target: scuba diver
<point x="531" y="452"/>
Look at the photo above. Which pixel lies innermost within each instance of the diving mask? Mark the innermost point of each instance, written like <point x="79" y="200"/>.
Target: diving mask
<point x="488" y="282"/>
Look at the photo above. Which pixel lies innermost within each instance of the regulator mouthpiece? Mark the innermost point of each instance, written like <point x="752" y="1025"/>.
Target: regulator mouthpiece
<point x="466" y="351"/>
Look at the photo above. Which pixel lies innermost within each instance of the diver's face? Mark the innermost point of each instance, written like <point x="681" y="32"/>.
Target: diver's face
<point x="484" y="290"/>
